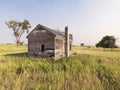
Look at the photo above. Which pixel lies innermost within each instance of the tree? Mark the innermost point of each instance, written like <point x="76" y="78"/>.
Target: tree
<point x="107" y="42"/>
<point x="82" y="44"/>
<point x="18" y="29"/>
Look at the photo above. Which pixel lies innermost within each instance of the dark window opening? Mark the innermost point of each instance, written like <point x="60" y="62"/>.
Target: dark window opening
<point x="70" y="47"/>
<point x="42" y="47"/>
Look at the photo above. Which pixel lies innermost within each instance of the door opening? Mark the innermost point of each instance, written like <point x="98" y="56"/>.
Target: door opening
<point x="42" y="47"/>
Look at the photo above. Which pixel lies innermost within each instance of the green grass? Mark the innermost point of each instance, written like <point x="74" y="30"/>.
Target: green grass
<point x="88" y="69"/>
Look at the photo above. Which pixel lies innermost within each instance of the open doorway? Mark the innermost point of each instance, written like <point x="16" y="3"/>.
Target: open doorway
<point x="42" y="47"/>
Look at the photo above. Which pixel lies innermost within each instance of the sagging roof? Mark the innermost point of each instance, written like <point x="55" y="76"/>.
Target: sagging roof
<point x="50" y="30"/>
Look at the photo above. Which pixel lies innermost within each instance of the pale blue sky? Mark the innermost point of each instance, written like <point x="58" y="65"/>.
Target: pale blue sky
<point x="88" y="20"/>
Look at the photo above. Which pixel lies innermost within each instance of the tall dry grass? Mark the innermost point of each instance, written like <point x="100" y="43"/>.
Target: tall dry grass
<point x="87" y="69"/>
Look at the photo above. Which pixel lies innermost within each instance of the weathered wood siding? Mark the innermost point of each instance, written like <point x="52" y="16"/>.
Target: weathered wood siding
<point x="38" y="38"/>
<point x="51" y="41"/>
<point x="59" y="47"/>
<point x="70" y="47"/>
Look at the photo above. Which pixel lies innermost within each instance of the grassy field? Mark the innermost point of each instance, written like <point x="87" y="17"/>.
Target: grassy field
<point x="87" y="69"/>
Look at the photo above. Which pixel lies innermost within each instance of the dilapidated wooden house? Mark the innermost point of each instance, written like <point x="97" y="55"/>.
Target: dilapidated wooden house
<point x="46" y="42"/>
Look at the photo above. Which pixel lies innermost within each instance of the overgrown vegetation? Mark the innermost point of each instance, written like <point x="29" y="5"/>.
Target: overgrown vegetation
<point x="88" y="69"/>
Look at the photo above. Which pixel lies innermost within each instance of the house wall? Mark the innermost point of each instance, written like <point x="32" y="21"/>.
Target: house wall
<point x="59" y="47"/>
<point x="37" y="39"/>
<point x="70" y="47"/>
